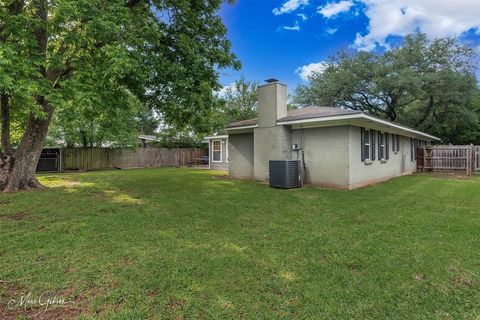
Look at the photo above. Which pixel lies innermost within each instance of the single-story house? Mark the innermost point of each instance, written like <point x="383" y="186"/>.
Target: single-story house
<point x="147" y="140"/>
<point x="337" y="147"/>
<point x="217" y="152"/>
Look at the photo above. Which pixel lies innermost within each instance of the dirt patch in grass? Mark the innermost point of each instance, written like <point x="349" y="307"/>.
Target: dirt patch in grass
<point x="19" y="216"/>
<point x="463" y="281"/>
<point x="175" y="304"/>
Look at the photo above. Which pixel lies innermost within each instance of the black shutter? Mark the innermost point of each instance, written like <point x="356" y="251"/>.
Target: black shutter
<point x="372" y="144"/>
<point x="411" y="149"/>
<point x="394" y="144"/>
<point x="362" y="143"/>
<point x="398" y="143"/>
<point x="387" y="151"/>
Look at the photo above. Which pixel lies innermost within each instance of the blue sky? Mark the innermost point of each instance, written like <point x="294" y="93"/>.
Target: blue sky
<point x="288" y="39"/>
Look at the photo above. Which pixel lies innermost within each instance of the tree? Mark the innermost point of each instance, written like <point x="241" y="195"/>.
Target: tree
<point x="241" y="100"/>
<point x="429" y="85"/>
<point x="101" y="58"/>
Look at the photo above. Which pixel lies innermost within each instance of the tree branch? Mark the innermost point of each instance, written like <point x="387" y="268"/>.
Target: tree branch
<point x="133" y="3"/>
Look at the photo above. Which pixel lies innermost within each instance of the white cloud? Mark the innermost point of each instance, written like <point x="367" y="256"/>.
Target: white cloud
<point x="222" y="92"/>
<point x="307" y="70"/>
<point x="289" y="6"/>
<point x="436" y="18"/>
<point x="295" y="27"/>
<point x="331" y="30"/>
<point x="302" y="16"/>
<point x="334" y="8"/>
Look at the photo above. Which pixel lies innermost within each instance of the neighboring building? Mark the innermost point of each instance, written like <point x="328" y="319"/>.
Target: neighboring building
<point x="217" y="152"/>
<point x="147" y="140"/>
<point x="337" y="147"/>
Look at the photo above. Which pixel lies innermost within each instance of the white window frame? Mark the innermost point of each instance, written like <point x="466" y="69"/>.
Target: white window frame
<point x="368" y="155"/>
<point x="213" y="150"/>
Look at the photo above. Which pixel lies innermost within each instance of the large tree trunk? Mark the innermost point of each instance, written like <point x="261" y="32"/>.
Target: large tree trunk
<point x="18" y="171"/>
<point x="5" y="115"/>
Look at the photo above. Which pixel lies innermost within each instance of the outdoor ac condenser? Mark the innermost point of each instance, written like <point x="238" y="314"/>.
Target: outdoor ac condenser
<point x="284" y="174"/>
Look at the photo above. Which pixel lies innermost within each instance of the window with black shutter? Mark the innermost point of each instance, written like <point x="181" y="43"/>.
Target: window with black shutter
<point x="366" y="144"/>
<point x="395" y="143"/>
<point x="382" y="146"/>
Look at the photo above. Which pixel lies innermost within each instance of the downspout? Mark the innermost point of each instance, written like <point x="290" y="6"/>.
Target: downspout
<point x="305" y="181"/>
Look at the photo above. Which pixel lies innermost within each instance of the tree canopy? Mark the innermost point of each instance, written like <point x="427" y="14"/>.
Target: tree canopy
<point x="96" y="63"/>
<point x="429" y="85"/>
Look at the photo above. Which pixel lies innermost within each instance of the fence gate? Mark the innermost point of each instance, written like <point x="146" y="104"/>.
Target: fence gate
<point x="49" y="161"/>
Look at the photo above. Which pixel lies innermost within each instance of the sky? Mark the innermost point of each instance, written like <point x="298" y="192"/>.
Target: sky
<point x="288" y="39"/>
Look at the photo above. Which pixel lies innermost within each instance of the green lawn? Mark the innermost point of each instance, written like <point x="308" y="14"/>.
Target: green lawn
<point x="179" y="243"/>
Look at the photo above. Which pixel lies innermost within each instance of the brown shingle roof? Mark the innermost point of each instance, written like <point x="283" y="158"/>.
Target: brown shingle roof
<point x="299" y="114"/>
<point x="316" y="112"/>
<point x="243" y="123"/>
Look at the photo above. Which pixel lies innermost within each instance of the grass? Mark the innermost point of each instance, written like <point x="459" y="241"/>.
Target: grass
<point x="178" y="243"/>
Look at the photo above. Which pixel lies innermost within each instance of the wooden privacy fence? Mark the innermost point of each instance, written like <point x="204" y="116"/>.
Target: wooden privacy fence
<point x="477" y="158"/>
<point x="449" y="158"/>
<point x="85" y="159"/>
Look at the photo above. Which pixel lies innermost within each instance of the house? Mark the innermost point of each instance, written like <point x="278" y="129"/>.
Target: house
<point x="217" y="152"/>
<point x="147" y="140"/>
<point x="337" y="147"/>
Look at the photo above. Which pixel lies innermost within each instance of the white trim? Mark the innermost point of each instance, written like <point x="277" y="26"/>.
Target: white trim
<point x="358" y="116"/>
<point x="226" y="150"/>
<point x="216" y="137"/>
<point x="322" y="119"/>
<point x="243" y="127"/>
<point x="213" y="150"/>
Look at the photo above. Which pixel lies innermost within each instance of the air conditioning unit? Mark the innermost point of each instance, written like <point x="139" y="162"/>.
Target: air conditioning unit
<point x="284" y="174"/>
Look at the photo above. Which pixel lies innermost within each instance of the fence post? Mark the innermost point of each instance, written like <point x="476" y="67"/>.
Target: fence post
<point x="424" y="160"/>
<point x="469" y="160"/>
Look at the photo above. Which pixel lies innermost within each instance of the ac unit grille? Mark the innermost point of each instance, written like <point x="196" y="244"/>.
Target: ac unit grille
<point x="284" y="174"/>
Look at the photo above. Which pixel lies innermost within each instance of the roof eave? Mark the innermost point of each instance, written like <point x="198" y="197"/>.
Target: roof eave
<point x="223" y="136"/>
<point x="357" y="116"/>
<point x="242" y="127"/>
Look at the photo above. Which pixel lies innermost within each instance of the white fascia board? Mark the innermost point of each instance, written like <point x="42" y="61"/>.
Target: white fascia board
<point x="358" y="116"/>
<point x="243" y="127"/>
<point x="216" y="137"/>
<point x="322" y="119"/>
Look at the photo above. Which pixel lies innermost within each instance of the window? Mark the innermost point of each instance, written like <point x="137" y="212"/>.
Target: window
<point x="366" y="144"/>
<point x="395" y="143"/>
<point x="382" y="146"/>
<point x="217" y="151"/>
